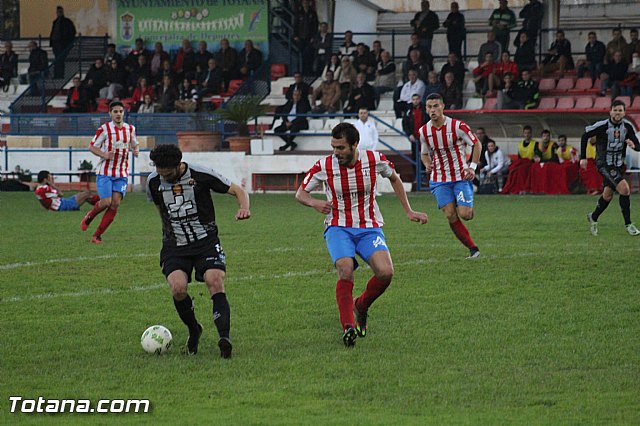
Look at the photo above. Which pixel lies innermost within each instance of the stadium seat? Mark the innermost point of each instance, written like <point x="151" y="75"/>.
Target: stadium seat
<point x="565" y="103"/>
<point x="277" y="71"/>
<point x="635" y="105"/>
<point x="602" y="103"/>
<point x="398" y="124"/>
<point x="316" y="124"/>
<point x="625" y="99"/>
<point x="473" y="103"/>
<point x="582" y="85"/>
<point x="385" y="104"/>
<point x="584" y="102"/>
<point x="234" y="85"/>
<point x="277" y="123"/>
<point x="490" y="103"/>
<point x="331" y="123"/>
<point x="565" y="84"/>
<point x="547" y="85"/>
<point x="547" y="103"/>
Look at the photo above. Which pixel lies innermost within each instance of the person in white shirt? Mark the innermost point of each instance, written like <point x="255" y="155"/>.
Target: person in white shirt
<point x="497" y="165"/>
<point x="414" y="86"/>
<point x="367" y="130"/>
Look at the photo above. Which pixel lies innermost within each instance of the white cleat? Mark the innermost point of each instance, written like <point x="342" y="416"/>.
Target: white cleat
<point x="594" y="225"/>
<point x="632" y="230"/>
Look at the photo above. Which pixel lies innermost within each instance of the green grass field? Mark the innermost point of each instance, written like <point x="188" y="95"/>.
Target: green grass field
<point x="543" y="329"/>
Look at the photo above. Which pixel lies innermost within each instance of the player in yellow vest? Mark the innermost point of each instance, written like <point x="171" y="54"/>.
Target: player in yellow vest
<point x="527" y="146"/>
<point x="566" y="152"/>
<point x="545" y="150"/>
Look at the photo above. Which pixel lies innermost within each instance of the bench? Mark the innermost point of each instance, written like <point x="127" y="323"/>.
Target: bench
<point x="276" y="181"/>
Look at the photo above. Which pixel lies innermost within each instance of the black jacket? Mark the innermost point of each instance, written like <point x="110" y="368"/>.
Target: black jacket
<point x="62" y="33"/>
<point x="38" y="61"/>
<point x="303" y="107"/>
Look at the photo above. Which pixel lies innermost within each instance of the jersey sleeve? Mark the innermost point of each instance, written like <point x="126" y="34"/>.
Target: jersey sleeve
<point x="631" y="134"/>
<point x="150" y="192"/>
<point x="134" y="137"/>
<point x="217" y="182"/>
<point x="424" y="143"/>
<point x="314" y="177"/>
<point x="464" y="132"/>
<point x="589" y="132"/>
<point x="384" y="167"/>
<point x="100" y="137"/>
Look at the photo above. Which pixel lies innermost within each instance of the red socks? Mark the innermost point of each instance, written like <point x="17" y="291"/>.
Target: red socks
<point x="96" y="210"/>
<point x="107" y="218"/>
<point x="462" y="233"/>
<point x="374" y="289"/>
<point x="344" y="297"/>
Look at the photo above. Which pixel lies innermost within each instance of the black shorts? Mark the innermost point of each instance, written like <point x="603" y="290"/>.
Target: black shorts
<point x="612" y="175"/>
<point x="210" y="257"/>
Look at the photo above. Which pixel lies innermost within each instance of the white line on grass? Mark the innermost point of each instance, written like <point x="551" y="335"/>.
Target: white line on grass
<point x="68" y="260"/>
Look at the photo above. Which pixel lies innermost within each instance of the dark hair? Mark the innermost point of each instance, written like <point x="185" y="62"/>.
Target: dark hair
<point x="527" y="127"/>
<point x="111" y="45"/>
<point x="507" y="74"/>
<point x="114" y="104"/>
<point x="560" y="32"/>
<point x="166" y="155"/>
<point x="434" y="96"/>
<point x="139" y="40"/>
<point x="633" y="30"/>
<point x="593" y="33"/>
<point x="563" y="136"/>
<point x="42" y="175"/>
<point x="346" y="131"/>
<point x="481" y="128"/>
<point x="546" y="131"/>
<point x="618" y="102"/>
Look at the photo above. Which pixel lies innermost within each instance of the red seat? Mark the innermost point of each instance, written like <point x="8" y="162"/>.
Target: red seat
<point x="277" y="71"/>
<point x="636" y="103"/>
<point x="547" y="103"/>
<point x="625" y="99"/>
<point x="565" y="84"/>
<point x="565" y="103"/>
<point x="490" y="103"/>
<point x="602" y="103"/>
<point x="583" y="84"/>
<point x="547" y="84"/>
<point x="6" y="127"/>
<point x="584" y="102"/>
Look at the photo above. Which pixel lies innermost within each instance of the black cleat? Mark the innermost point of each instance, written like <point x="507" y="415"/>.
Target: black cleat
<point x="349" y="337"/>
<point x="225" y="347"/>
<point x="361" y="319"/>
<point x="191" y="347"/>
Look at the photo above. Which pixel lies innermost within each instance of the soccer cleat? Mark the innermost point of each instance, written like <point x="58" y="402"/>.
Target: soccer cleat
<point x="361" y="319"/>
<point x="225" y="347"/>
<point x="632" y="230"/>
<point x="96" y="239"/>
<point x="594" y="225"/>
<point x="474" y="253"/>
<point x="191" y="347"/>
<point x="85" y="222"/>
<point x="349" y="337"/>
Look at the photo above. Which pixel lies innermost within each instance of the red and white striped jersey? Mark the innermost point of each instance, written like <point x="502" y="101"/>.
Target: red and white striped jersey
<point x="446" y="146"/>
<point x="49" y="197"/>
<point x="119" y="140"/>
<point x="351" y="190"/>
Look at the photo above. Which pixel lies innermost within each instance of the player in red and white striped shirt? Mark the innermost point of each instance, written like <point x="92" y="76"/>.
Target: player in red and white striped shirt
<point x="353" y="221"/>
<point x="111" y="143"/>
<point x="444" y="141"/>
<point x="50" y="197"/>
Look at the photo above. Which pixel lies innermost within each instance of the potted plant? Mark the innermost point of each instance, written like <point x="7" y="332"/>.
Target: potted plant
<point x="240" y="110"/>
<point x="88" y="175"/>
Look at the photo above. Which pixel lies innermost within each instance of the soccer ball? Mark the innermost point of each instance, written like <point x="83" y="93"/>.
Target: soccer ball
<point x="156" y="339"/>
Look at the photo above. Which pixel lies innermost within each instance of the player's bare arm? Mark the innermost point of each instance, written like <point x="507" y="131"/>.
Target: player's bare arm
<point x="243" y="201"/>
<point x="469" y="173"/>
<point x="426" y="160"/>
<point x="305" y="198"/>
<point x="106" y="155"/>
<point x="398" y="188"/>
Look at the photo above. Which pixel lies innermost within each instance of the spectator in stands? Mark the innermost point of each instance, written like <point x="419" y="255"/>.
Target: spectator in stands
<point x="451" y="93"/>
<point x="210" y="80"/>
<point x="496" y="165"/>
<point x="8" y="66"/>
<point x="558" y="56"/>
<point x="633" y="45"/>
<point x="38" y="64"/>
<point x="362" y="60"/>
<point x="403" y="96"/>
<point x="526" y="91"/>
<point x="617" y="44"/>
<point x="249" y="59"/>
<point x="490" y="46"/>
<point x="156" y="59"/>
<point x="425" y="23"/>
<point x="305" y="25"/>
<point x="227" y="59"/>
<point x="385" y="80"/>
<point x="506" y="65"/>
<point x="484" y="141"/>
<point x="329" y="95"/>
<point x="376" y="58"/>
<point x="362" y="95"/>
<point x="484" y="76"/>
<point x="322" y="42"/>
<point x="116" y="79"/>
<point x="525" y="56"/>
<point x="633" y="74"/>
<point x="187" y="97"/>
<point x="425" y="56"/>
<point x="185" y="62"/>
<point x="111" y="54"/>
<point x="367" y="130"/>
<point x="167" y="95"/>
<point x="456" y="30"/>
<point x="532" y="14"/>
<point x="202" y="57"/>
<point x="455" y="66"/>
<point x="95" y="79"/>
<point x="147" y="106"/>
<point x="432" y="85"/>
<point x="63" y="32"/>
<point x="333" y="66"/>
<point x="131" y="61"/>
<point x="566" y="152"/>
<point x="347" y="78"/>
<point x="298" y="84"/>
<point x="502" y="20"/>
<point x="545" y="150"/>
<point x="506" y="96"/>
<point x="416" y="63"/>
<point x="298" y="104"/>
<point x="165" y="71"/>
<point x="613" y="75"/>
<point x="414" y="118"/>
<point x="595" y="52"/>
<point x="141" y="70"/>
<point x="348" y="48"/>
<point x="142" y="89"/>
<point x="77" y="99"/>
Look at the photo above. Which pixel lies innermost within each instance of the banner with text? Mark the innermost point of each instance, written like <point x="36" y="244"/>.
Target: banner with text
<point x="171" y="21"/>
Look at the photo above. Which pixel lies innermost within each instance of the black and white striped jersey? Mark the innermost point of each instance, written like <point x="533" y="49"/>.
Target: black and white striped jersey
<point x="610" y="141"/>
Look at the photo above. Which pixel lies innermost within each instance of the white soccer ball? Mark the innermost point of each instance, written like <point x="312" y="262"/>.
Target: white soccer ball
<point x="156" y="339"/>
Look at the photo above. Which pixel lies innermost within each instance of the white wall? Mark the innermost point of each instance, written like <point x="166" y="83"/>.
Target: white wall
<point x="355" y="16"/>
